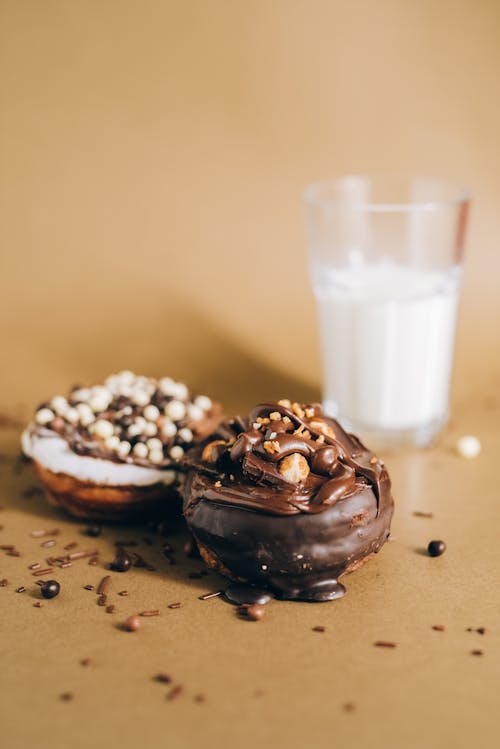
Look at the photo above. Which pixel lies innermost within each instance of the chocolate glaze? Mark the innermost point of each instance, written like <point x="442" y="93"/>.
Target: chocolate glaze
<point x="240" y="593"/>
<point x="294" y="538"/>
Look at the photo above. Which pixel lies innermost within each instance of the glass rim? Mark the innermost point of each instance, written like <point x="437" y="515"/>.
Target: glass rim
<point x="312" y="194"/>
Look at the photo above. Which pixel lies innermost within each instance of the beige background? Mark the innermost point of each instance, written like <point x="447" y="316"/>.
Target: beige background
<point x="153" y="156"/>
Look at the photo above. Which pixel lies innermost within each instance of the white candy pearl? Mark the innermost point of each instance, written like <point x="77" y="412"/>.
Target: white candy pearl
<point x="180" y="391"/>
<point x="85" y="413"/>
<point x="140" y="398"/>
<point x="150" y="429"/>
<point x="103" y="428"/>
<point x="124" y="449"/>
<point x="44" y="416"/>
<point x="175" y="410"/>
<point x="126" y="377"/>
<point x="72" y="416"/>
<point x="156" y="456"/>
<point x="468" y="446"/>
<point x="176" y="452"/>
<point x="151" y="413"/>
<point x="140" y="450"/>
<point x="112" y="443"/>
<point x="134" y="430"/>
<point x="100" y="398"/>
<point x="154" y="444"/>
<point x="169" y="429"/>
<point x="167" y="386"/>
<point x="204" y="402"/>
<point x="59" y="405"/>
<point x="195" y="413"/>
<point x="185" y="435"/>
<point x="81" y="395"/>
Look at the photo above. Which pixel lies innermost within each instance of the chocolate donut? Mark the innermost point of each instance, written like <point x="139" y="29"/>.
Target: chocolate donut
<point x="287" y="501"/>
<point x="115" y="451"/>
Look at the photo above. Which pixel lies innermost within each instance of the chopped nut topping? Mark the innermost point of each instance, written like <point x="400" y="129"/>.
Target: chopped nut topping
<point x="287" y="420"/>
<point x="272" y="446"/>
<point x="323" y="427"/>
<point x="285" y="403"/>
<point x="275" y="416"/>
<point x="294" y="468"/>
<point x="298" y="411"/>
<point x="218" y="484"/>
<point x="309" y="412"/>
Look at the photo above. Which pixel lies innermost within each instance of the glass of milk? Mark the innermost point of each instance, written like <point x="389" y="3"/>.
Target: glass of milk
<point x="386" y="259"/>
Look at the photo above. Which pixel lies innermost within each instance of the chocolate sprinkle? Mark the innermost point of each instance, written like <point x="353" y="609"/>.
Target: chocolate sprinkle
<point x="384" y="644"/>
<point x="319" y="628"/>
<point x="476" y="652"/>
<point x="163" y="678"/>
<point x="154" y="612"/>
<point x="42" y="572"/>
<point x="103" y="585"/>
<point x="438" y="627"/>
<point x="175" y="692"/>
<point x="176" y="605"/>
<point x="4" y="582"/>
<point x="21" y="589"/>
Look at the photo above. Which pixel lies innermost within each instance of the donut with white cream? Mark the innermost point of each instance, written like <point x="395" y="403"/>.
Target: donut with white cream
<point x="114" y="450"/>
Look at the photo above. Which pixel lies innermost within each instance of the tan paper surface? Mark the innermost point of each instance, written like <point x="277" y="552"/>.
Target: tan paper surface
<point x="153" y="156"/>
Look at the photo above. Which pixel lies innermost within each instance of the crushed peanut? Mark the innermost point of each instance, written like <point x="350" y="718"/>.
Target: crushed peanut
<point x="272" y="446"/>
<point x="294" y="468"/>
<point x="298" y="411"/>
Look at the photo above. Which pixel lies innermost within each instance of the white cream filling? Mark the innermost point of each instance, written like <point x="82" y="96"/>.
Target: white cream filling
<point x="54" y="453"/>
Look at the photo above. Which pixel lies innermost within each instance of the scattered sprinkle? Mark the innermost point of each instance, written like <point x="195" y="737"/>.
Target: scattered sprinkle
<point x="175" y="692"/>
<point x="438" y="627"/>
<point x="162" y="678"/>
<point x="319" y="628"/>
<point x="384" y="644"/>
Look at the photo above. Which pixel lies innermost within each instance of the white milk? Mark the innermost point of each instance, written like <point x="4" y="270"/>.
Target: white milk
<point x="387" y="335"/>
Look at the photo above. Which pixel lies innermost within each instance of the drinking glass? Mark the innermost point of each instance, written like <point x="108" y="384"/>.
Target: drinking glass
<point x="386" y="257"/>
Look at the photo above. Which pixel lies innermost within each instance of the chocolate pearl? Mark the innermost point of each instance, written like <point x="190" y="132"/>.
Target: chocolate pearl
<point x="436" y="548"/>
<point x="122" y="562"/>
<point x="93" y="531"/>
<point x="133" y="623"/>
<point x="50" y="589"/>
